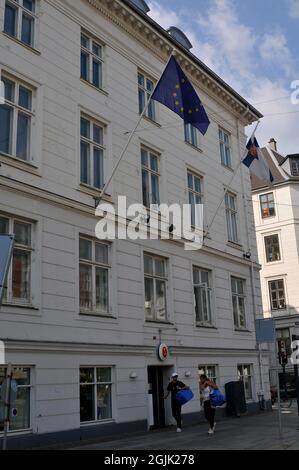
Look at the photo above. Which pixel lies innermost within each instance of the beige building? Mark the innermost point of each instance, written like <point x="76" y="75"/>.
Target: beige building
<point x="82" y="319"/>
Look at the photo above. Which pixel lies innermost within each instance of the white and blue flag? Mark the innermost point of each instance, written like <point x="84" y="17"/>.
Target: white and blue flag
<point x="256" y="162"/>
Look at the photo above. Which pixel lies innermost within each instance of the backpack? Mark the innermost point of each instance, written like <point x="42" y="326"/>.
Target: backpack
<point x="216" y="398"/>
<point x="183" y="396"/>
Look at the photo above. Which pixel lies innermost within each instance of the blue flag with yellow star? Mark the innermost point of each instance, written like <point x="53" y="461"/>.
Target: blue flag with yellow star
<point x="175" y="91"/>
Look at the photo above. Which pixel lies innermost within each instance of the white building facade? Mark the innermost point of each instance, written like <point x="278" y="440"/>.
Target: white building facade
<point x="276" y="211"/>
<point x="82" y="319"/>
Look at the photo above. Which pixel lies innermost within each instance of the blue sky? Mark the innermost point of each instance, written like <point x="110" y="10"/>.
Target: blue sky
<point x="253" y="45"/>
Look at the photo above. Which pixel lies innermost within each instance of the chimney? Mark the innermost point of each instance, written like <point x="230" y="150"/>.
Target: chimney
<point x="273" y="144"/>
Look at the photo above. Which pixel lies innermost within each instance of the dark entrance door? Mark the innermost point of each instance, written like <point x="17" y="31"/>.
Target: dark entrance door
<point x="156" y="389"/>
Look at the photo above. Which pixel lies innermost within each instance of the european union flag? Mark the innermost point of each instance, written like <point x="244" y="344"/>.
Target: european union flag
<point x="175" y="91"/>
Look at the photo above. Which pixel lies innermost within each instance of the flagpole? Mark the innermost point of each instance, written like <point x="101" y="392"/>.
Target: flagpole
<point x="228" y="186"/>
<point x="132" y="133"/>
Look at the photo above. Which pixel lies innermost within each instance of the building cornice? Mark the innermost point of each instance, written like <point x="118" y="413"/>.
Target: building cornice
<point x="160" y="43"/>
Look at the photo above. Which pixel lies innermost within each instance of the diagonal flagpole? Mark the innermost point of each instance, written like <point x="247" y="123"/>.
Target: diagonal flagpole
<point x="132" y="133"/>
<point x="228" y="186"/>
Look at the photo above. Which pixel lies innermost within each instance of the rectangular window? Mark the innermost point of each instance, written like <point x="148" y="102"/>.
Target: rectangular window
<point x="92" y="151"/>
<point x="95" y="394"/>
<point x="94" y="276"/>
<point x="202" y="296"/>
<point x="272" y="248"/>
<point x="295" y="166"/>
<point x="238" y="300"/>
<point x="191" y="135"/>
<point x="18" y="287"/>
<point x="209" y="371"/>
<point x="267" y="205"/>
<point x="155" y="285"/>
<point x="277" y="294"/>
<point x="91" y="61"/>
<point x="145" y="88"/>
<point x="16" y="118"/>
<point x="195" y="195"/>
<point x="19" y="421"/>
<point x="150" y="177"/>
<point x="244" y="375"/>
<point x="20" y="20"/>
<point x="231" y="217"/>
<point x="284" y="341"/>
<point x="225" y="148"/>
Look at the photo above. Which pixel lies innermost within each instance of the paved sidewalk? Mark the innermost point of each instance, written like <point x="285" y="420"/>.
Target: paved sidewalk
<point x="246" y="433"/>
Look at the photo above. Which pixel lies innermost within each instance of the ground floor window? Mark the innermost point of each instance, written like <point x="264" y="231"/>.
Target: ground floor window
<point x="95" y="393"/>
<point x="209" y="371"/>
<point x="245" y="375"/>
<point x="20" y="409"/>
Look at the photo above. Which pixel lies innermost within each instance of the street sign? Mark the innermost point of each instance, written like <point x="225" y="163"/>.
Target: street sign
<point x="6" y="247"/>
<point x="265" y="330"/>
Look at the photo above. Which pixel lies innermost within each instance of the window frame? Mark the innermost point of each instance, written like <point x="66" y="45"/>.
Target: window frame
<point x="278" y="299"/>
<point x="250" y="376"/>
<point x="92" y="146"/>
<point x="238" y="296"/>
<point x="269" y="248"/>
<point x="226" y="147"/>
<point x="8" y="298"/>
<point x="154" y="278"/>
<point x="150" y="173"/>
<point x="93" y="264"/>
<point x="193" y="193"/>
<point x="151" y="112"/>
<point x="94" y="384"/>
<point x="22" y="11"/>
<point x="16" y="110"/>
<point x="92" y="57"/>
<point x="265" y="217"/>
<point x="29" y="386"/>
<point x="231" y="215"/>
<point x="204" y="369"/>
<point x="209" y="296"/>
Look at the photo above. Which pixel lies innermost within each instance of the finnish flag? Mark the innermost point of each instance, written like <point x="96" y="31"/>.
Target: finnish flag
<point x="256" y="162"/>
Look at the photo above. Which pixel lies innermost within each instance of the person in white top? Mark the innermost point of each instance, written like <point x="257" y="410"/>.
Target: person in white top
<point x="206" y="386"/>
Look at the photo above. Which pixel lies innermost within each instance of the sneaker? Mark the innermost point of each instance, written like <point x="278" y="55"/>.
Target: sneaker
<point x="210" y="431"/>
<point x="178" y="430"/>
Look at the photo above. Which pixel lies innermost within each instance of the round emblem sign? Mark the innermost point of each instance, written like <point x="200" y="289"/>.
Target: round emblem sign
<point x="163" y="352"/>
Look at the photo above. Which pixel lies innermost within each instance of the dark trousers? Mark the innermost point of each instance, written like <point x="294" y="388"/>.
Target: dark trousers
<point x="209" y="413"/>
<point x="176" y="412"/>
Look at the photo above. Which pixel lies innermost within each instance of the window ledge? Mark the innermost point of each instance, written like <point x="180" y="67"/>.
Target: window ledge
<point x="235" y="245"/>
<point x="16" y="305"/>
<point x="229" y="168"/>
<point x="29" y="48"/>
<point x="146" y="118"/>
<point x="206" y="326"/>
<point x="157" y="322"/>
<point x="97" y="315"/>
<point x="95" y="193"/>
<point x="104" y="92"/>
<point x="19" y="164"/>
<point x="198" y="149"/>
<point x="242" y="330"/>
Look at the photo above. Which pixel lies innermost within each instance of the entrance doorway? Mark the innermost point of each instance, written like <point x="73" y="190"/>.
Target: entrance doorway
<point x="158" y="408"/>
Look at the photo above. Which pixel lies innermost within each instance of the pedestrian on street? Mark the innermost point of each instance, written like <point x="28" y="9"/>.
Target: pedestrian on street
<point x="173" y="387"/>
<point x="206" y="386"/>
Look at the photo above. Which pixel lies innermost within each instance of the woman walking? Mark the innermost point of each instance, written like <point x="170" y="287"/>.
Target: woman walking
<point x="206" y="386"/>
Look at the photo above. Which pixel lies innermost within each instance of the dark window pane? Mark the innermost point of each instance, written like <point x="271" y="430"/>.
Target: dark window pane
<point x="86" y="375"/>
<point x="102" y="289"/>
<point x="9" y="89"/>
<point x="87" y="403"/>
<point x="22" y="233"/>
<point x="85" y="249"/>
<point x="85" y="128"/>
<point x="4" y="225"/>
<point x="25" y="98"/>
<point x="98" y="134"/>
<point x="85" y="287"/>
<point x="27" y="30"/>
<point x="84" y="66"/>
<point x="104" y="405"/>
<point x="29" y="4"/>
<point x="84" y="41"/>
<point x="23" y="136"/>
<point x="21" y="275"/>
<point x="145" y="188"/>
<point x="22" y="403"/>
<point x="98" y="167"/>
<point x="96" y="74"/>
<point x="85" y="163"/>
<point x="5" y="129"/>
<point x="10" y="20"/>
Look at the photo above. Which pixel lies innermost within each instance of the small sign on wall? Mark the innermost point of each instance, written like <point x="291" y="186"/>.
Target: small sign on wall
<point x="163" y="352"/>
